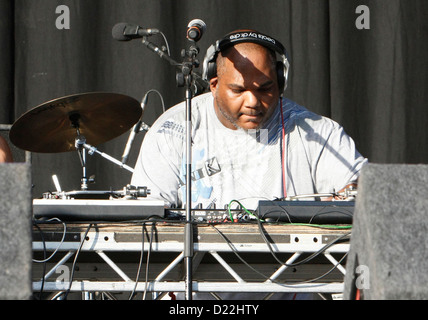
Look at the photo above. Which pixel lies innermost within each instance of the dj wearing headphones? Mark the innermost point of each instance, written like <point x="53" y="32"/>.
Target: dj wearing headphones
<point x="249" y="142"/>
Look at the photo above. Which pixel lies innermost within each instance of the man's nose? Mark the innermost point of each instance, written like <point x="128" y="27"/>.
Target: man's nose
<point x="252" y="100"/>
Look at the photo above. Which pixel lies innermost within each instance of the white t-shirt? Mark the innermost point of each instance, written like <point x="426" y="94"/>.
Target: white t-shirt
<point x="247" y="166"/>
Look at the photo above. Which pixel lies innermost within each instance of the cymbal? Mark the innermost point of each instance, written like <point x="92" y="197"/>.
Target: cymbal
<point x="53" y="126"/>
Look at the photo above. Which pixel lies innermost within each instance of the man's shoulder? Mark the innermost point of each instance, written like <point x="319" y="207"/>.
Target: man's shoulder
<point x="301" y="116"/>
<point x="297" y="116"/>
<point x="173" y="120"/>
<point x="294" y="110"/>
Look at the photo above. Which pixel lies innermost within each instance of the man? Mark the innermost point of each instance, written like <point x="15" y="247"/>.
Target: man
<point x="5" y="153"/>
<point x="248" y="142"/>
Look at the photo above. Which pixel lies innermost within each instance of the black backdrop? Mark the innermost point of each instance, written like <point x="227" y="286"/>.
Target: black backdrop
<point x="371" y="81"/>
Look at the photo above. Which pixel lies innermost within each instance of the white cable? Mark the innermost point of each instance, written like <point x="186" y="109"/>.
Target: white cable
<point x="62" y="241"/>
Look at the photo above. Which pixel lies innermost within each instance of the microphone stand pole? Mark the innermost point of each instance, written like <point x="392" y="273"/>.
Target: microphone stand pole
<point x="185" y="78"/>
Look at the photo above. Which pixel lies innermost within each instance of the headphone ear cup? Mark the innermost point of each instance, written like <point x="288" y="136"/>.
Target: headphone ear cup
<point x="280" y="71"/>
<point x="211" y="70"/>
<point x="210" y="63"/>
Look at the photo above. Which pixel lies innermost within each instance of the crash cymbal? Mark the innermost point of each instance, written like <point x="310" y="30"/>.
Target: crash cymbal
<point x="52" y="126"/>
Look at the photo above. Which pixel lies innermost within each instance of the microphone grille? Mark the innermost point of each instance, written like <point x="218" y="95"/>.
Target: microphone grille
<point x="118" y="32"/>
<point x="199" y="23"/>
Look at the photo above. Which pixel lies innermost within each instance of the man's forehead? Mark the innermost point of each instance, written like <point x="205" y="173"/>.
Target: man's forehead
<point x="245" y="58"/>
<point x="246" y="48"/>
<point x="237" y="76"/>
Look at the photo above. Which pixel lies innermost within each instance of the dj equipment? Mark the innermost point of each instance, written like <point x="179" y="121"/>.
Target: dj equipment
<point x="209" y="215"/>
<point x="130" y="203"/>
<point x="91" y="209"/>
<point x="308" y="212"/>
<point x="315" y="212"/>
<point x="239" y="36"/>
<point x="98" y="210"/>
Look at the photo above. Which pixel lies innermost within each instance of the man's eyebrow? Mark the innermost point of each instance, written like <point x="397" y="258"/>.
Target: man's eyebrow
<point x="266" y="84"/>
<point x="235" y="86"/>
<point x="238" y="86"/>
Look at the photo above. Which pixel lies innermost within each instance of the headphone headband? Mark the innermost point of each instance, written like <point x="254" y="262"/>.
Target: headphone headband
<point x="246" y="35"/>
<point x="250" y="36"/>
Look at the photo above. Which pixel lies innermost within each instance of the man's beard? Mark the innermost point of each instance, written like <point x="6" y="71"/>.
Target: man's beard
<point x="232" y="120"/>
<point x="228" y="117"/>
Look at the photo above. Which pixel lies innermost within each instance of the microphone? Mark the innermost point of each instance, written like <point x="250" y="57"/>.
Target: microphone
<point x="196" y="29"/>
<point x="135" y="130"/>
<point x="126" y="32"/>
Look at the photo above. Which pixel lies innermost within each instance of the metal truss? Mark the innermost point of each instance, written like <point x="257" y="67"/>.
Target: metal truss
<point x="296" y="244"/>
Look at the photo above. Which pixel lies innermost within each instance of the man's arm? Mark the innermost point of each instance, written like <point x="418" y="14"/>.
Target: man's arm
<point x="5" y="152"/>
<point x="158" y="167"/>
<point x="338" y="164"/>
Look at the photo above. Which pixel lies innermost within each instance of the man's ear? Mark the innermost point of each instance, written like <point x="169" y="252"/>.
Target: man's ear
<point x="213" y="84"/>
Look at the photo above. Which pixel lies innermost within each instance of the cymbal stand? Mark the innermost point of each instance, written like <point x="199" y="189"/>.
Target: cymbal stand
<point x="79" y="142"/>
<point x="92" y="150"/>
<point x="82" y="147"/>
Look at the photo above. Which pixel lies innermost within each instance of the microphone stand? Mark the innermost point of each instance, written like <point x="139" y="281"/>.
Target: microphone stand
<point x="152" y="47"/>
<point x="185" y="78"/>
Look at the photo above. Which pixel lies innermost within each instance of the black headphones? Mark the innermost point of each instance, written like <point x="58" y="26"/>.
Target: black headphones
<point x="238" y="36"/>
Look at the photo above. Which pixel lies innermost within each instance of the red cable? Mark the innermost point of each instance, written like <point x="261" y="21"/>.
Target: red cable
<point x="358" y="295"/>
<point x="283" y="152"/>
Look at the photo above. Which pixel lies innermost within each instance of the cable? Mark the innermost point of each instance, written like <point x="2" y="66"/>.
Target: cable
<point x="61" y="242"/>
<point x="141" y="261"/>
<point x="288" y="265"/>
<point x="284" y="182"/>
<point x="313" y="255"/>
<point x="328" y="272"/>
<point x="236" y="253"/>
<point x="240" y="204"/>
<point x="148" y="263"/>
<point x="309" y="224"/>
<point x="75" y="259"/>
<point x="44" y="256"/>
<point x="160" y="96"/>
<point x="262" y="233"/>
<point x="139" y="264"/>
<point x="166" y="43"/>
